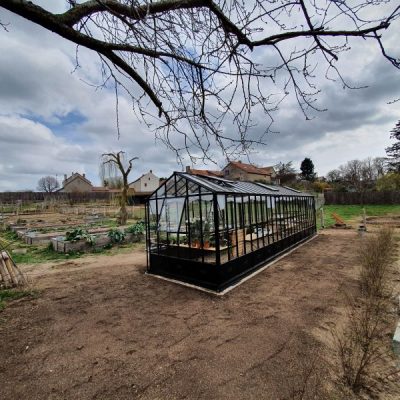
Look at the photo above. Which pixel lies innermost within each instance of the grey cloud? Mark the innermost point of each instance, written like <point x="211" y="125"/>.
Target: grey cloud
<point x="36" y="79"/>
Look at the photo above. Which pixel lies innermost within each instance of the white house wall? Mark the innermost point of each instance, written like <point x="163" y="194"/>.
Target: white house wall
<point x="146" y="183"/>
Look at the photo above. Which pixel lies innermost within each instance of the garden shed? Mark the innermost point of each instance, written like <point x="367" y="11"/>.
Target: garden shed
<point x="212" y="232"/>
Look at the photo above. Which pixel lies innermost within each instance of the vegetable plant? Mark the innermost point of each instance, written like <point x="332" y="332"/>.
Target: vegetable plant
<point x="79" y="234"/>
<point x="136" y="229"/>
<point x="116" y="235"/>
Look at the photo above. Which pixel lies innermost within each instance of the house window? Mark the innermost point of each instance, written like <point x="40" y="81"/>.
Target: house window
<point x="145" y="185"/>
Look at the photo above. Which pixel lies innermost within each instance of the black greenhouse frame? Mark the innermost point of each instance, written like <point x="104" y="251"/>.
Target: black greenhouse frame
<point x="212" y="232"/>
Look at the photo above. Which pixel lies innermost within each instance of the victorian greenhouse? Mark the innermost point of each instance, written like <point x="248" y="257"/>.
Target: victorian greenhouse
<point x="212" y="232"/>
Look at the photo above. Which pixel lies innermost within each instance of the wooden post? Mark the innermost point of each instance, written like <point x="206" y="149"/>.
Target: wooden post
<point x="10" y="267"/>
<point x="364" y="218"/>
<point x="3" y="271"/>
<point x="322" y="218"/>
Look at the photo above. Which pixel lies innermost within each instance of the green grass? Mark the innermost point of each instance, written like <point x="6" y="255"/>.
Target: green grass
<point x="7" y="295"/>
<point x="38" y="254"/>
<point x="351" y="212"/>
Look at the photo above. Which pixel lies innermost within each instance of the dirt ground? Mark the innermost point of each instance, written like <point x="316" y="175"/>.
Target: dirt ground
<point x="102" y="329"/>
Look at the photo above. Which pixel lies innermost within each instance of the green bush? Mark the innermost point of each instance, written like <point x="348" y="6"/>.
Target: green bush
<point x="79" y="234"/>
<point x="137" y="228"/>
<point x="390" y="181"/>
<point x="116" y="236"/>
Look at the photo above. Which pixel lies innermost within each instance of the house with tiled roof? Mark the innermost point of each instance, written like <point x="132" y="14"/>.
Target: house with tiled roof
<point x="76" y="183"/>
<point x="204" y="172"/>
<point x="240" y="171"/>
<point x="145" y="184"/>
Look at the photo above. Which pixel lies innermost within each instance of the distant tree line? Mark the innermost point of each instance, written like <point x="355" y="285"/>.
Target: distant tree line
<point x="358" y="175"/>
<point x="379" y="173"/>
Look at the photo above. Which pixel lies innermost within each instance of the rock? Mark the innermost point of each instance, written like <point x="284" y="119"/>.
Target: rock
<point x="19" y="251"/>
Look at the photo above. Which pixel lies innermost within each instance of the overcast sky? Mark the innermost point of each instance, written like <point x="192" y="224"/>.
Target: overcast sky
<point x="53" y="123"/>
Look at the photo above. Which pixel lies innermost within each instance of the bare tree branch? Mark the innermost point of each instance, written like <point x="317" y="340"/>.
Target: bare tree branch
<point x="112" y="165"/>
<point x="193" y="67"/>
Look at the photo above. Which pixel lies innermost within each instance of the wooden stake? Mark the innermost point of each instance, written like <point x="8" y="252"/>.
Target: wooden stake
<point x="3" y="272"/>
<point x="10" y="267"/>
<point x="364" y="218"/>
<point x="322" y="218"/>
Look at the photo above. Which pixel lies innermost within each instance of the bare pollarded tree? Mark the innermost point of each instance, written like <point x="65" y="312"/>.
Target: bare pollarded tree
<point x="194" y="67"/>
<point x="114" y="166"/>
<point x="48" y="184"/>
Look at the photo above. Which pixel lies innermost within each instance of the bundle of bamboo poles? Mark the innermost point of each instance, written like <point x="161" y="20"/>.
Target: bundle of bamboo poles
<point x="10" y="274"/>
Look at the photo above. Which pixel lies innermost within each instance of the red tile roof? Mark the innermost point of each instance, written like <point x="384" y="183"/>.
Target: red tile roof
<point x="252" y="169"/>
<point x="206" y="172"/>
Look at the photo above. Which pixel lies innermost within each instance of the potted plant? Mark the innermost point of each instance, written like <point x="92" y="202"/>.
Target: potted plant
<point x="212" y="241"/>
<point x="173" y="239"/>
<point x="195" y="233"/>
<point x="206" y="235"/>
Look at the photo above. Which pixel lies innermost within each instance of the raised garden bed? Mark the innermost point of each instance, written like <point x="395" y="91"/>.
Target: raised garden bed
<point x="35" y="237"/>
<point x="17" y="227"/>
<point x="100" y="240"/>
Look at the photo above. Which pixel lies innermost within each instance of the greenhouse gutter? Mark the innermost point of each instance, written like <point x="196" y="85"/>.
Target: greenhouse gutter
<point x="247" y="277"/>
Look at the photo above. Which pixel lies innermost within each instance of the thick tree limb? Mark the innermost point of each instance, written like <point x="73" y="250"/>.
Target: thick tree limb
<point x="195" y="59"/>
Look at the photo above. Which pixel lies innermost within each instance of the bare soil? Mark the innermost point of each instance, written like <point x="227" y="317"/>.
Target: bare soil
<point x="102" y="329"/>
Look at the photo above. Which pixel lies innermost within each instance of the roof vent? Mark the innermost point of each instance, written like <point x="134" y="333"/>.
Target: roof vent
<point x="294" y="190"/>
<point x="267" y="187"/>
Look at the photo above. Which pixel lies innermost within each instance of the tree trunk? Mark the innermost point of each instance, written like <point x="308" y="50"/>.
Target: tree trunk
<point x="123" y="213"/>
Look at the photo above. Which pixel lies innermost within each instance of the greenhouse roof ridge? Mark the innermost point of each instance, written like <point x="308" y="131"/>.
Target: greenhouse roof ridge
<point x="220" y="185"/>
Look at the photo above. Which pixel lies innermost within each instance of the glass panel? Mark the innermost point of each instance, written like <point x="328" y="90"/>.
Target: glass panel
<point x="221" y="212"/>
<point x="201" y="220"/>
<point x="160" y="192"/>
<point x="153" y="221"/>
<point x="170" y="188"/>
<point x="171" y="214"/>
<point x="230" y="234"/>
<point x="181" y="187"/>
<point x="193" y="188"/>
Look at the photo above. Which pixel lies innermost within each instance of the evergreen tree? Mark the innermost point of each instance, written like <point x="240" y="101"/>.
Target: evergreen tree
<point x="307" y="169"/>
<point x="393" y="151"/>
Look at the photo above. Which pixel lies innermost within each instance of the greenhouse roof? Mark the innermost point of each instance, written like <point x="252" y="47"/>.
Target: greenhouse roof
<point x="220" y="185"/>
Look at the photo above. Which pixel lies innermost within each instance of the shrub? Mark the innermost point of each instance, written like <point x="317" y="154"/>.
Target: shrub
<point x="390" y="181"/>
<point x="116" y="236"/>
<point x="137" y="228"/>
<point x="360" y="344"/>
<point x="79" y="234"/>
<point x="376" y="256"/>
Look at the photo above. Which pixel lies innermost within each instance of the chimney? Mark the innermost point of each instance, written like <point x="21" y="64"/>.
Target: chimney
<point x="84" y="175"/>
<point x="187" y="169"/>
<point x="65" y="177"/>
<point x="151" y="171"/>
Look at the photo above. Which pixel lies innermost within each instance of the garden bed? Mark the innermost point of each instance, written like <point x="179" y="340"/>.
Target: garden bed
<point x="61" y="245"/>
<point x="36" y="238"/>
